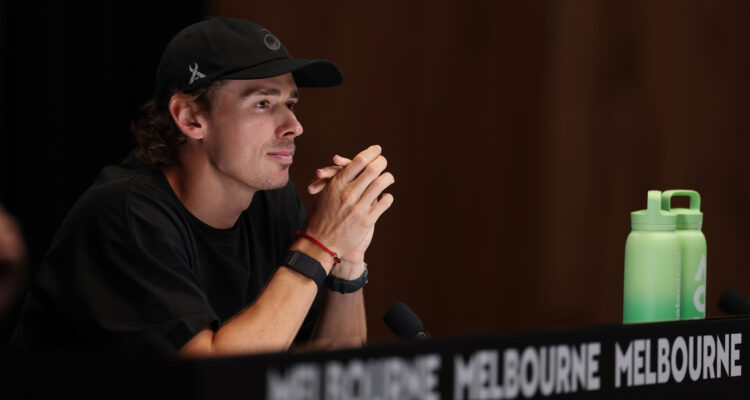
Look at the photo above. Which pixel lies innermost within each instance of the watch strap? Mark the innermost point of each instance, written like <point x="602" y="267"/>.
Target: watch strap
<point x="305" y="265"/>
<point x="344" y="286"/>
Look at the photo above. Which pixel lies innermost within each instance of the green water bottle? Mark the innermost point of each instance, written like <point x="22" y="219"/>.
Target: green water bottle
<point x="693" y="251"/>
<point x="652" y="265"/>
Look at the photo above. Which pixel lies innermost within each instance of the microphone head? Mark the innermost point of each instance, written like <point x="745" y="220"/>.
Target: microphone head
<point x="403" y="322"/>
<point x="734" y="303"/>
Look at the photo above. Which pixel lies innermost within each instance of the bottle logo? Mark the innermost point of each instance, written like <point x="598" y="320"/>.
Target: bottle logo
<point x="700" y="291"/>
<point x="678" y="280"/>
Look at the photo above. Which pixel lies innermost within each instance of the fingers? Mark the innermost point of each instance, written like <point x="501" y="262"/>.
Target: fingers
<point x="327" y="172"/>
<point x="360" y="162"/>
<point x="382" y="204"/>
<point x="377" y="186"/>
<point x="368" y="175"/>
<point x="316" y="186"/>
<point x="362" y="175"/>
<point x="322" y="175"/>
<point x="341" y="161"/>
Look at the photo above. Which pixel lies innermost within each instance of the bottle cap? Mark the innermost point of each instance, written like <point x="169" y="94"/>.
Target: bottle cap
<point x="653" y="218"/>
<point x="687" y="218"/>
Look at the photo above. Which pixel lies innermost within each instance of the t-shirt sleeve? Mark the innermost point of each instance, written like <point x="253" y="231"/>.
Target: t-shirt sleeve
<point x="121" y="271"/>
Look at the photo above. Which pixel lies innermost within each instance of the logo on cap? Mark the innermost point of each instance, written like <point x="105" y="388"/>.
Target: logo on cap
<point x="196" y="74"/>
<point x="270" y="40"/>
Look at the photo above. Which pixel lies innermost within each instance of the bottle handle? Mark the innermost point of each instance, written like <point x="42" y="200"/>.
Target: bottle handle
<point x="666" y="198"/>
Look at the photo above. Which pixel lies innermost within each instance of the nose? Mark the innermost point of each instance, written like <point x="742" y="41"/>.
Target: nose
<point x="290" y="127"/>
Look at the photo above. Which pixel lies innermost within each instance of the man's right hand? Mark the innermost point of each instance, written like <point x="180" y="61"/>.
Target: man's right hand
<point x="351" y="202"/>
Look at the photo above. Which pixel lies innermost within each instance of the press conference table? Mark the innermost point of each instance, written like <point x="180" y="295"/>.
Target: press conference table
<point x="698" y="358"/>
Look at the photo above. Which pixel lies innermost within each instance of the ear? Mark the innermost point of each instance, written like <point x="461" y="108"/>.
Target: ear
<point x="187" y="118"/>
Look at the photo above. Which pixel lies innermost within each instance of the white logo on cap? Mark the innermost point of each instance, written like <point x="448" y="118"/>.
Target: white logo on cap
<point x="270" y="40"/>
<point x="196" y="74"/>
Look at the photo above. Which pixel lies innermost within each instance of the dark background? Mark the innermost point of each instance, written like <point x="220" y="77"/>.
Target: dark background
<point x="521" y="135"/>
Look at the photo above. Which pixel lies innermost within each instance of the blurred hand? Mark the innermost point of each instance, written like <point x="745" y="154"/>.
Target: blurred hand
<point x="12" y="261"/>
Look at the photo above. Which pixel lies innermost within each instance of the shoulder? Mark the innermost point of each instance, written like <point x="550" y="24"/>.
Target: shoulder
<point x="116" y="186"/>
<point x="122" y="201"/>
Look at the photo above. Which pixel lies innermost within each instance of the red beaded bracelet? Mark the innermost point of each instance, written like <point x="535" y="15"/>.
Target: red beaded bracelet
<point x="336" y="258"/>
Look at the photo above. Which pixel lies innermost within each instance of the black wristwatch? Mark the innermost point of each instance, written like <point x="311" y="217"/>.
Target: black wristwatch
<point x="344" y="286"/>
<point x="305" y="265"/>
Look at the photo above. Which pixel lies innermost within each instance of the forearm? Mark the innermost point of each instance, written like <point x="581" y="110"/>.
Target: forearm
<point x="271" y="322"/>
<point x="342" y="322"/>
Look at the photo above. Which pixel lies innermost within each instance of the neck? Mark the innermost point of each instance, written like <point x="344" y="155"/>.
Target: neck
<point x="210" y="196"/>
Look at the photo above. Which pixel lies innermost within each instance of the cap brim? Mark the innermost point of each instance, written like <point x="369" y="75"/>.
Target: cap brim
<point x="306" y="72"/>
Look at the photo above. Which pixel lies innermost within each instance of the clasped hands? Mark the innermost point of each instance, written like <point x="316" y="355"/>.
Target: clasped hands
<point x="349" y="199"/>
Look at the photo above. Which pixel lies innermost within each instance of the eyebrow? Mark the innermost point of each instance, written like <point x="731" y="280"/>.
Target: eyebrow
<point x="266" y="91"/>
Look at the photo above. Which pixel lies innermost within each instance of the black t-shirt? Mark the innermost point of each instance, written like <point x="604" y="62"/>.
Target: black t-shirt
<point x="131" y="269"/>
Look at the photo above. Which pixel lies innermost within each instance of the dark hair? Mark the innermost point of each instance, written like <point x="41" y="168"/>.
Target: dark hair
<point x="156" y="133"/>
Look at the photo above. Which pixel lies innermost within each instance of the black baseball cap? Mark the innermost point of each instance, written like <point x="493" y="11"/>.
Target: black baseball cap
<point x="231" y="48"/>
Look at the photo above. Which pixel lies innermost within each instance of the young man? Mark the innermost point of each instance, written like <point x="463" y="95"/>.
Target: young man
<point x="198" y="243"/>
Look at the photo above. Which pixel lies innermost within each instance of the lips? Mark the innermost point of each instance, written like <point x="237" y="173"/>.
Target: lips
<point x="283" y="156"/>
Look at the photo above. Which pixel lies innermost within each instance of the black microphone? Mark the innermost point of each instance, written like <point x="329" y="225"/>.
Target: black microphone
<point x="404" y="323"/>
<point x="734" y="303"/>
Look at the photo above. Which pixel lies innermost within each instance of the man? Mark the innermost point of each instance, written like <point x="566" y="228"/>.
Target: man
<point x="197" y="242"/>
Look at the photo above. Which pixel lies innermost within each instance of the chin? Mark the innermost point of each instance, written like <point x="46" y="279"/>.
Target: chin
<point x="274" y="183"/>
